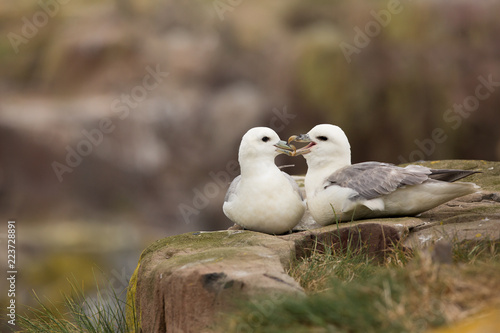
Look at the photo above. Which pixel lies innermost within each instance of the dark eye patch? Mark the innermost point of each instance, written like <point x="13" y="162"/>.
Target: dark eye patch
<point x="322" y="138"/>
<point x="265" y="139"/>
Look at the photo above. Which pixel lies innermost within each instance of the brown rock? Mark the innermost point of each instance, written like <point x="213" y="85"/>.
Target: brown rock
<point x="184" y="282"/>
<point x="371" y="237"/>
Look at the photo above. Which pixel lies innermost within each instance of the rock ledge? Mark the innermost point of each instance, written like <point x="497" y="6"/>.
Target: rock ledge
<point x="182" y="283"/>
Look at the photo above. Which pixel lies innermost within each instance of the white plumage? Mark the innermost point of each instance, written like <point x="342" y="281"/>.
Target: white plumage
<point x="339" y="191"/>
<point x="263" y="198"/>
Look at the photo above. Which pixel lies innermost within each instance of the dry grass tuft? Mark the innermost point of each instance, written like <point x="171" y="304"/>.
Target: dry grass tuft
<point x="349" y="291"/>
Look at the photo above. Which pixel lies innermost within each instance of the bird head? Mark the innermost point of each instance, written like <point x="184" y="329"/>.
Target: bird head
<point x="263" y="142"/>
<point x="326" y="143"/>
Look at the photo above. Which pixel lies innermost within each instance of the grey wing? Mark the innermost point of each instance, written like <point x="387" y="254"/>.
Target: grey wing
<point x="373" y="179"/>
<point x="232" y="188"/>
<point x="450" y="175"/>
<point x="294" y="184"/>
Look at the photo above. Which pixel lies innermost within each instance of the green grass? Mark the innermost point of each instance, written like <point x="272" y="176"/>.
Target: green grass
<point x="349" y="291"/>
<point x="105" y="313"/>
<point x="315" y="271"/>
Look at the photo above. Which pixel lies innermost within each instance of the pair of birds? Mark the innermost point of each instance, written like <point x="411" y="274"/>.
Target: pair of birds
<point x="263" y="198"/>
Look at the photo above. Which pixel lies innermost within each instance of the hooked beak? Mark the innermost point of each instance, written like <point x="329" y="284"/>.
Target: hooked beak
<point x="282" y="147"/>
<point x="301" y="138"/>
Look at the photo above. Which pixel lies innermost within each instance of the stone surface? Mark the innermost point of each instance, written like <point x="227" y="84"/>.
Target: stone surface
<point x="184" y="282"/>
<point x="472" y="217"/>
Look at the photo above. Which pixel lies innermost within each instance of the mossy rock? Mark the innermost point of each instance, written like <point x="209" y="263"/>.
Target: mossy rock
<point x="183" y="282"/>
<point x="488" y="178"/>
<point x="210" y="271"/>
<point x="472" y="217"/>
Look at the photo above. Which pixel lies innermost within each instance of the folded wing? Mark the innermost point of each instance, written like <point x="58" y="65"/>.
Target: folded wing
<point x="371" y="180"/>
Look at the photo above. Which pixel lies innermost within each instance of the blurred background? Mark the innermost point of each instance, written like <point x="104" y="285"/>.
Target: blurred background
<point x="120" y="120"/>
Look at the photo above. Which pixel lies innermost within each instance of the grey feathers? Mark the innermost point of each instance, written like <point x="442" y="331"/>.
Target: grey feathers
<point x="232" y="188"/>
<point x="373" y="179"/>
<point x="450" y="175"/>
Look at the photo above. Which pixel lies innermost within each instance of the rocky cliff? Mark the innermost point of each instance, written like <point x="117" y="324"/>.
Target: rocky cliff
<point x="184" y="283"/>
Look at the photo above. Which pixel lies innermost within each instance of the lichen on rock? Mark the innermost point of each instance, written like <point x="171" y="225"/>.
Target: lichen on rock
<point x="184" y="282"/>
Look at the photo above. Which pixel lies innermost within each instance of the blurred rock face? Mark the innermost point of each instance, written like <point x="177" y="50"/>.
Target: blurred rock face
<point x="129" y="107"/>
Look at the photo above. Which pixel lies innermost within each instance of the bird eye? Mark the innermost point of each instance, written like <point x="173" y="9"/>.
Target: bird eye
<point x="265" y="139"/>
<point x="322" y="138"/>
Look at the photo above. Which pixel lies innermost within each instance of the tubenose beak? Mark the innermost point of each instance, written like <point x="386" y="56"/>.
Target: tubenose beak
<point x="301" y="138"/>
<point x="284" y="148"/>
